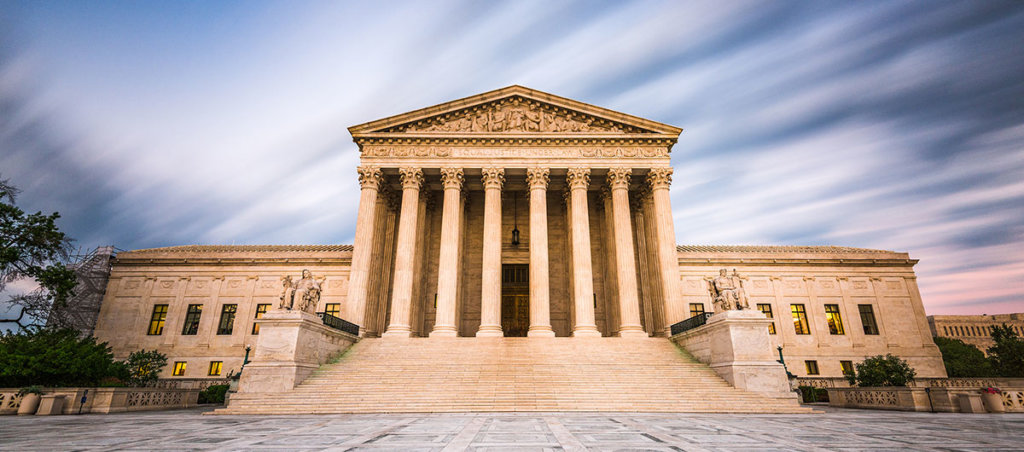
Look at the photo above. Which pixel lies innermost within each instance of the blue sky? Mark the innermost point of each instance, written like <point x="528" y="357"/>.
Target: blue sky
<point x="895" y="125"/>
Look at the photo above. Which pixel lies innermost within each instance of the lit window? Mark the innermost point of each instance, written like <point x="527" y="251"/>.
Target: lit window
<point x="835" y="320"/>
<point x="847" y="367"/>
<point x="156" y="321"/>
<point x="191" y="327"/>
<point x="260" y="310"/>
<point x="215" y="367"/>
<point x="696" y="309"/>
<point x="227" y="319"/>
<point x="179" y="369"/>
<point x="812" y="367"/>
<point x="800" y="319"/>
<point x="867" y="318"/>
<point x="333" y="309"/>
<point x="766" y="309"/>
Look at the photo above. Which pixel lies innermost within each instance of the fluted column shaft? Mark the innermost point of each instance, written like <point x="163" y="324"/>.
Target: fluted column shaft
<point x="490" y="297"/>
<point x="582" y="267"/>
<point x="401" y="296"/>
<point x="629" y="304"/>
<point x="540" y="302"/>
<point x="448" y="260"/>
<point x="659" y="179"/>
<point x="362" y="250"/>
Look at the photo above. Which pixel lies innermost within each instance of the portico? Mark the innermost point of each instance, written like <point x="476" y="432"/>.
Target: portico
<point x="445" y="189"/>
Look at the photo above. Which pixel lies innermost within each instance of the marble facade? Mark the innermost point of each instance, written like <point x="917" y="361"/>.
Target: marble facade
<point x="442" y="190"/>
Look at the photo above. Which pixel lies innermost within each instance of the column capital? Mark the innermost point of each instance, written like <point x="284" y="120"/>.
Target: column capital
<point x="538" y="178"/>
<point x="452" y="178"/>
<point x="659" y="178"/>
<point x="411" y="177"/>
<point x="493" y="177"/>
<point x="370" y="177"/>
<point x="619" y="177"/>
<point x="578" y="178"/>
<point x="605" y="194"/>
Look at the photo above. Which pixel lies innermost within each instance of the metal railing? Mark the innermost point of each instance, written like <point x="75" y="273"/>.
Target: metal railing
<point x="691" y="323"/>
<point x="339" y="324"/>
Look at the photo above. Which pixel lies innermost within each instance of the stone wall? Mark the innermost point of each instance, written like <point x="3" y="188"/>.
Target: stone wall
<point x="975" y="330"/>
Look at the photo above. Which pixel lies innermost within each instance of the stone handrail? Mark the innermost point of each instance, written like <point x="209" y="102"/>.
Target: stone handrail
<point x="109" y="400"/>
<point x="919" y="398"/>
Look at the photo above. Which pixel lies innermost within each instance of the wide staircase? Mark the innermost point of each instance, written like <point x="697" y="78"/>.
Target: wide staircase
<point x="512" y="374"/>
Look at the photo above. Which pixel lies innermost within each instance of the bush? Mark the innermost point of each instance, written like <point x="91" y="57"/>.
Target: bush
<point x="213" y="394"/>
<point x="53" y="358"/>
<point x="811" y="394"/>
<point x="881" y="370"/>
<point x="142" y="368"/>
<point x="962" y="359"/>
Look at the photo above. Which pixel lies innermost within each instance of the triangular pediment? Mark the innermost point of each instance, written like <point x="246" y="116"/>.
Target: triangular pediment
<point x="513" y="110"/>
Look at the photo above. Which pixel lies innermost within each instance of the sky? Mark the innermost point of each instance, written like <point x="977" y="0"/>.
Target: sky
<point x="879" y="124"/>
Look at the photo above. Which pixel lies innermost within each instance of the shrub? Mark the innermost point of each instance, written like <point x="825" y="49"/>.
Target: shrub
<point x="52" y="357"/>
<point x="213" y="394"/>
<point x="881" y="370"/>
<point x="30" y="390"/>
<point x="962" y="359"/>
<point x="143" y="367"/>
<point x="811" y="394"/>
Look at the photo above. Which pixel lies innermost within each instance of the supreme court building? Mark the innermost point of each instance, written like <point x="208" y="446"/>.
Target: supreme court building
<point x="517" y="213"/>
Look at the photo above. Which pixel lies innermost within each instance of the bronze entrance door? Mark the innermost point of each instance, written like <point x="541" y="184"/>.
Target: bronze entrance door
<point x="515" y="300"/>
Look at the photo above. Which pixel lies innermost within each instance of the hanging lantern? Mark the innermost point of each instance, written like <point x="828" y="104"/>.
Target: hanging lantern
<point x="515" y="221"/>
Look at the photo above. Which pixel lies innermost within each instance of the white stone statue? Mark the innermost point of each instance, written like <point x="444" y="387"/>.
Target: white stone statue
<point x="727" y="292"/>
<point x="303" y="294"/>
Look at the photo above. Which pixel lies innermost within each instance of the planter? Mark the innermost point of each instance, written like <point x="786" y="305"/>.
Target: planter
<point x="29" y="404"/>
<point x="993" y="402"/>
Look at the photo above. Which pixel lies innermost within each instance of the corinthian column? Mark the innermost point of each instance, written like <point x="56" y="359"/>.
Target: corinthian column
<point x="401" y="296"/>
<point x="369" y="180"/>
<point x="540" y="303"/>
<point x="659" y="179"/>
<point x="625" y="262"/>
<point x="582" y="267"/>
<point x="448" y="261"/>
<point x="490" y="298"/>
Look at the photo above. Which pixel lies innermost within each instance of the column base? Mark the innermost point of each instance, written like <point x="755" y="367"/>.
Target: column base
<point x="632" y="332"/>
<point x="541" y="331"/>
<point x="490" y="331"/>
<point x="398" y="332"/>
<point x="444" y="332"/>
<point x="586" y="331"/>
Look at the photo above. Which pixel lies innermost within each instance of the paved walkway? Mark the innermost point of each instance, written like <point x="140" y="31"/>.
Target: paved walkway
<point x="834" y="430"/>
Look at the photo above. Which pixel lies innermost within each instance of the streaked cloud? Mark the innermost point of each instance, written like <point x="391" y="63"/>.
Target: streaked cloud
<point x="892" y="125"/>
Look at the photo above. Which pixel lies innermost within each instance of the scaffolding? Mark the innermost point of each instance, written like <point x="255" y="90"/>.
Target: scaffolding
<point x="92" y="271"/>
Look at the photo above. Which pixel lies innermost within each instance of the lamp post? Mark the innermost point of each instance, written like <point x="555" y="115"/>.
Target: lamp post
<point x="247" y="348"/>
<point x="782" y="360"/>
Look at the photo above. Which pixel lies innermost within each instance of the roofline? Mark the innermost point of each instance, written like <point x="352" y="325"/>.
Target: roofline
<point x="465" y="102"/>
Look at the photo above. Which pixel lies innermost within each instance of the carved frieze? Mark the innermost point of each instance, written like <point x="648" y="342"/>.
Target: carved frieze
<point x="513" y="152"/>
<point x="515" y="115"/>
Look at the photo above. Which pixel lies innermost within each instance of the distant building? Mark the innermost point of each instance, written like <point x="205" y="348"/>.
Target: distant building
<point x="974" y="329"/>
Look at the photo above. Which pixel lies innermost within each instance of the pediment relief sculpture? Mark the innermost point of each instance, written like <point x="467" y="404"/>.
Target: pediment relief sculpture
<point x="516" y="115"/>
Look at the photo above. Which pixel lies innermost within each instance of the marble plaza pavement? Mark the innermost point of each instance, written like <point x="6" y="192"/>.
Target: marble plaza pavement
<point x="834" y="430"/>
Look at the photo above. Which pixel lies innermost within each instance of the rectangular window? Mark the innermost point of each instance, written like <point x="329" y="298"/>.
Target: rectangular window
<point x="800" y="319"/>
<point x="179" y="369"/>
<point x="766" y="309"/>
<point x="260" y="310"/>
<point x="215" y="367"/>
<point x="227" y="319"/>
<point x="333" y="309"/>
<point x="867" y="318"/>
<point x="812" y="367"/>
<point x="847" y="367"/>
<point x="156" y="321"/>
<point x="696" y="309"/>
<point x="835" y="319"/>
<point x="191" y="327"/>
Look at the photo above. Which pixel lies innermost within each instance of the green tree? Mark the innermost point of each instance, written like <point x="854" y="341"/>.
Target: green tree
<point x="53" y="357"/>
<point x="32" y="246"/>
<point x="881" y="370"/>
<point x="963" y="359"/>
<point x="142" y="368"/>
<point x="1008" y="354"/>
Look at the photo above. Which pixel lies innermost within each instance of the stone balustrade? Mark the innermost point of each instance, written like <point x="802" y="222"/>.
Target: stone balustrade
<point x="109" y="400"/>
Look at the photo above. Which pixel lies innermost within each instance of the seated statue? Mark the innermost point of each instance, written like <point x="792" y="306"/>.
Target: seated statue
<point x="303" y="294"/>
<point x="727" y="292"/>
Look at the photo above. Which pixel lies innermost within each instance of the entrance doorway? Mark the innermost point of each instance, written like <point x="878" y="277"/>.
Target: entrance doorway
<point x="515" y="299"/>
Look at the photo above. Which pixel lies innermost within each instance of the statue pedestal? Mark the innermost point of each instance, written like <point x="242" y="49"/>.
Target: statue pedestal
<point x="291" y="345"/>
<point x="736" y="346"/>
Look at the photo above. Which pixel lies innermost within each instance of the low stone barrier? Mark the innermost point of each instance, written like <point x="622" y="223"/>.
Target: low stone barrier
<point x="109" y="400"/>
<point x="937" y="398"/>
